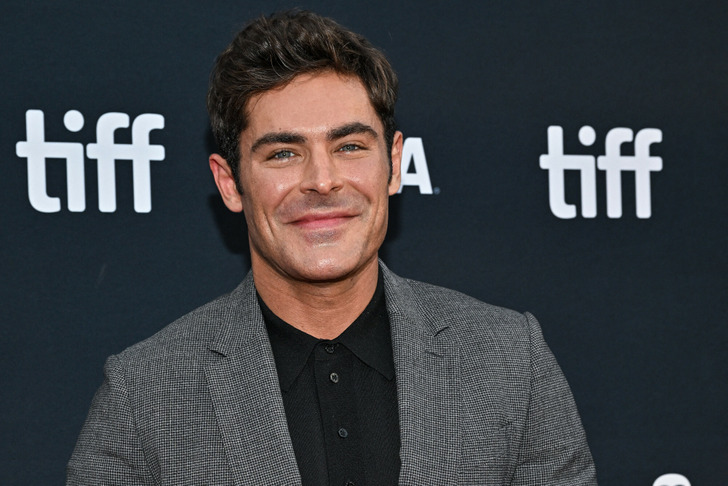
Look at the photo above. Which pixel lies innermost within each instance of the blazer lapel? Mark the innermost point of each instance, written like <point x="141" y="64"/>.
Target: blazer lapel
<point x="246" y="395"/>
<point x="427" y="363"/>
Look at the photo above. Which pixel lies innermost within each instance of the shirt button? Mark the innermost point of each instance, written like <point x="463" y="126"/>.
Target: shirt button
<point x="334" y="377"/>
<point x="350" y="483"/>
<point x="343" y="433"/>
<point x="330" y="348"/>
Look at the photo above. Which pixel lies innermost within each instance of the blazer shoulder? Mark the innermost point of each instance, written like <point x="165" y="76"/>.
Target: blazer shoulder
<point x="191" y="335"/>
<point x="467" y="316"/>
<point x="448" y="302"/>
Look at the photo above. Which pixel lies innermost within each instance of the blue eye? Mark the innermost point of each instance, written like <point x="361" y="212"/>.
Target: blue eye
<point x="349" y="147"/>
<point x="283" y="154"/>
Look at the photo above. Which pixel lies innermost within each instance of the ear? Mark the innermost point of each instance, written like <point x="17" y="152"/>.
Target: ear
<point x="396" y="158"/>
<point x="226" y="183"/>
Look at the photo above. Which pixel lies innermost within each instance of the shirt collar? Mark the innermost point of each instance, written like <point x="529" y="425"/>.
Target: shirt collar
<point x="368" y="337"/>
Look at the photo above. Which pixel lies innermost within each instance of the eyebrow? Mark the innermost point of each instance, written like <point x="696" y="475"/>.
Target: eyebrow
<point x="277" y="137"/>
<point x="333" y="134"/>
<point x="350" y="129"/>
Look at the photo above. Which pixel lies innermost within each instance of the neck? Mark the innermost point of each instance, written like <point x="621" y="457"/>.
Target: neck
<point x="321" y="309"/>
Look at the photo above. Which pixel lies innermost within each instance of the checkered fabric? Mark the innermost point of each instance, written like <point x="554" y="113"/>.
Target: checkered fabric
<point x="482" y="400"/>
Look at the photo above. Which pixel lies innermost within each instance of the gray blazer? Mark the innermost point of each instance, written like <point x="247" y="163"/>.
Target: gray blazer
<point x="481" y="400"/>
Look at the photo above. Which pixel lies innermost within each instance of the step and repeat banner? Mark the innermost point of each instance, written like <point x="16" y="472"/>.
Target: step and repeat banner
<point x="564" y="158"/>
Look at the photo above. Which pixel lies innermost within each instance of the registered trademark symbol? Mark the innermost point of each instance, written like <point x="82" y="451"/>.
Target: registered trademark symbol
<point x="436" y="190"/>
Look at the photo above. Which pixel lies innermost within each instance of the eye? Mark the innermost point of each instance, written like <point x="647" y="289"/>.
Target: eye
<point x="349" y="147"/>
<point x="282" y="155"/>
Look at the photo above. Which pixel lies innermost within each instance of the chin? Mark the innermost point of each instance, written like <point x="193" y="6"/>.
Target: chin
<point x="328" y="269"/>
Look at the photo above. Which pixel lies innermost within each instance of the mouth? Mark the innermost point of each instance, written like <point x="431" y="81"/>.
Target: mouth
<point x="326" y="220"/>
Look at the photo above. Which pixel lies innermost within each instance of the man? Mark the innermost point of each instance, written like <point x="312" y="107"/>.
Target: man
<point x="323" y="367"/>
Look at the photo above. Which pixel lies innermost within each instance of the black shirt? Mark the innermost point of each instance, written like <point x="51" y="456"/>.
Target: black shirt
<point x="340" y="398"/>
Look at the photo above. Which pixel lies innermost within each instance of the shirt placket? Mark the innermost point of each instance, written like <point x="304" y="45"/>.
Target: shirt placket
<point x="333" y="369"/>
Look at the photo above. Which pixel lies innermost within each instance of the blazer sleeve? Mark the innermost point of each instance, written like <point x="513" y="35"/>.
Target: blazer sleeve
<point x="108" y="450"/>
<point x="554" y="449"/>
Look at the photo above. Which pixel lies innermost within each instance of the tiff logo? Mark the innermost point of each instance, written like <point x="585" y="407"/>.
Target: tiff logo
<point x="613" y="162"/>
<point x="105" y="151"/>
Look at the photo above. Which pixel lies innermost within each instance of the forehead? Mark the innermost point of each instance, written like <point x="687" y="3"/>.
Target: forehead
<point x="310" y="104"/>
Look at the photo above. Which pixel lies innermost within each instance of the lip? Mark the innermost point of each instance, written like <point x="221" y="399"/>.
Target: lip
<point x="314" y="221"/>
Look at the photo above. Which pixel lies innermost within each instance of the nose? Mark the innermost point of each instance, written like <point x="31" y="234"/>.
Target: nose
<point x="321" y="173"/>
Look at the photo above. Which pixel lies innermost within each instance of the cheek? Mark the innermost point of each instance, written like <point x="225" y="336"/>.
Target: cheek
<point x="371" y="179"/>
<point x="267" y="192"/>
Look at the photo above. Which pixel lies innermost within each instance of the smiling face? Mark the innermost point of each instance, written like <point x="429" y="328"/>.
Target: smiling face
<point x="315" y="179"/>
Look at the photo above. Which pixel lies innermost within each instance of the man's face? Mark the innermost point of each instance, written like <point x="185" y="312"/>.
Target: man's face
<point x="314" y="173"/>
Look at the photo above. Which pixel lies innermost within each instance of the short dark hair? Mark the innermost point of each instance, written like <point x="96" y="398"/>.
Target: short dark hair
<point x="270" y="51"/>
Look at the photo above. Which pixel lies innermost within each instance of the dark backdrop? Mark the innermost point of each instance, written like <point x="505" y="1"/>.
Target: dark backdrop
<point x="634" y="308"/>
